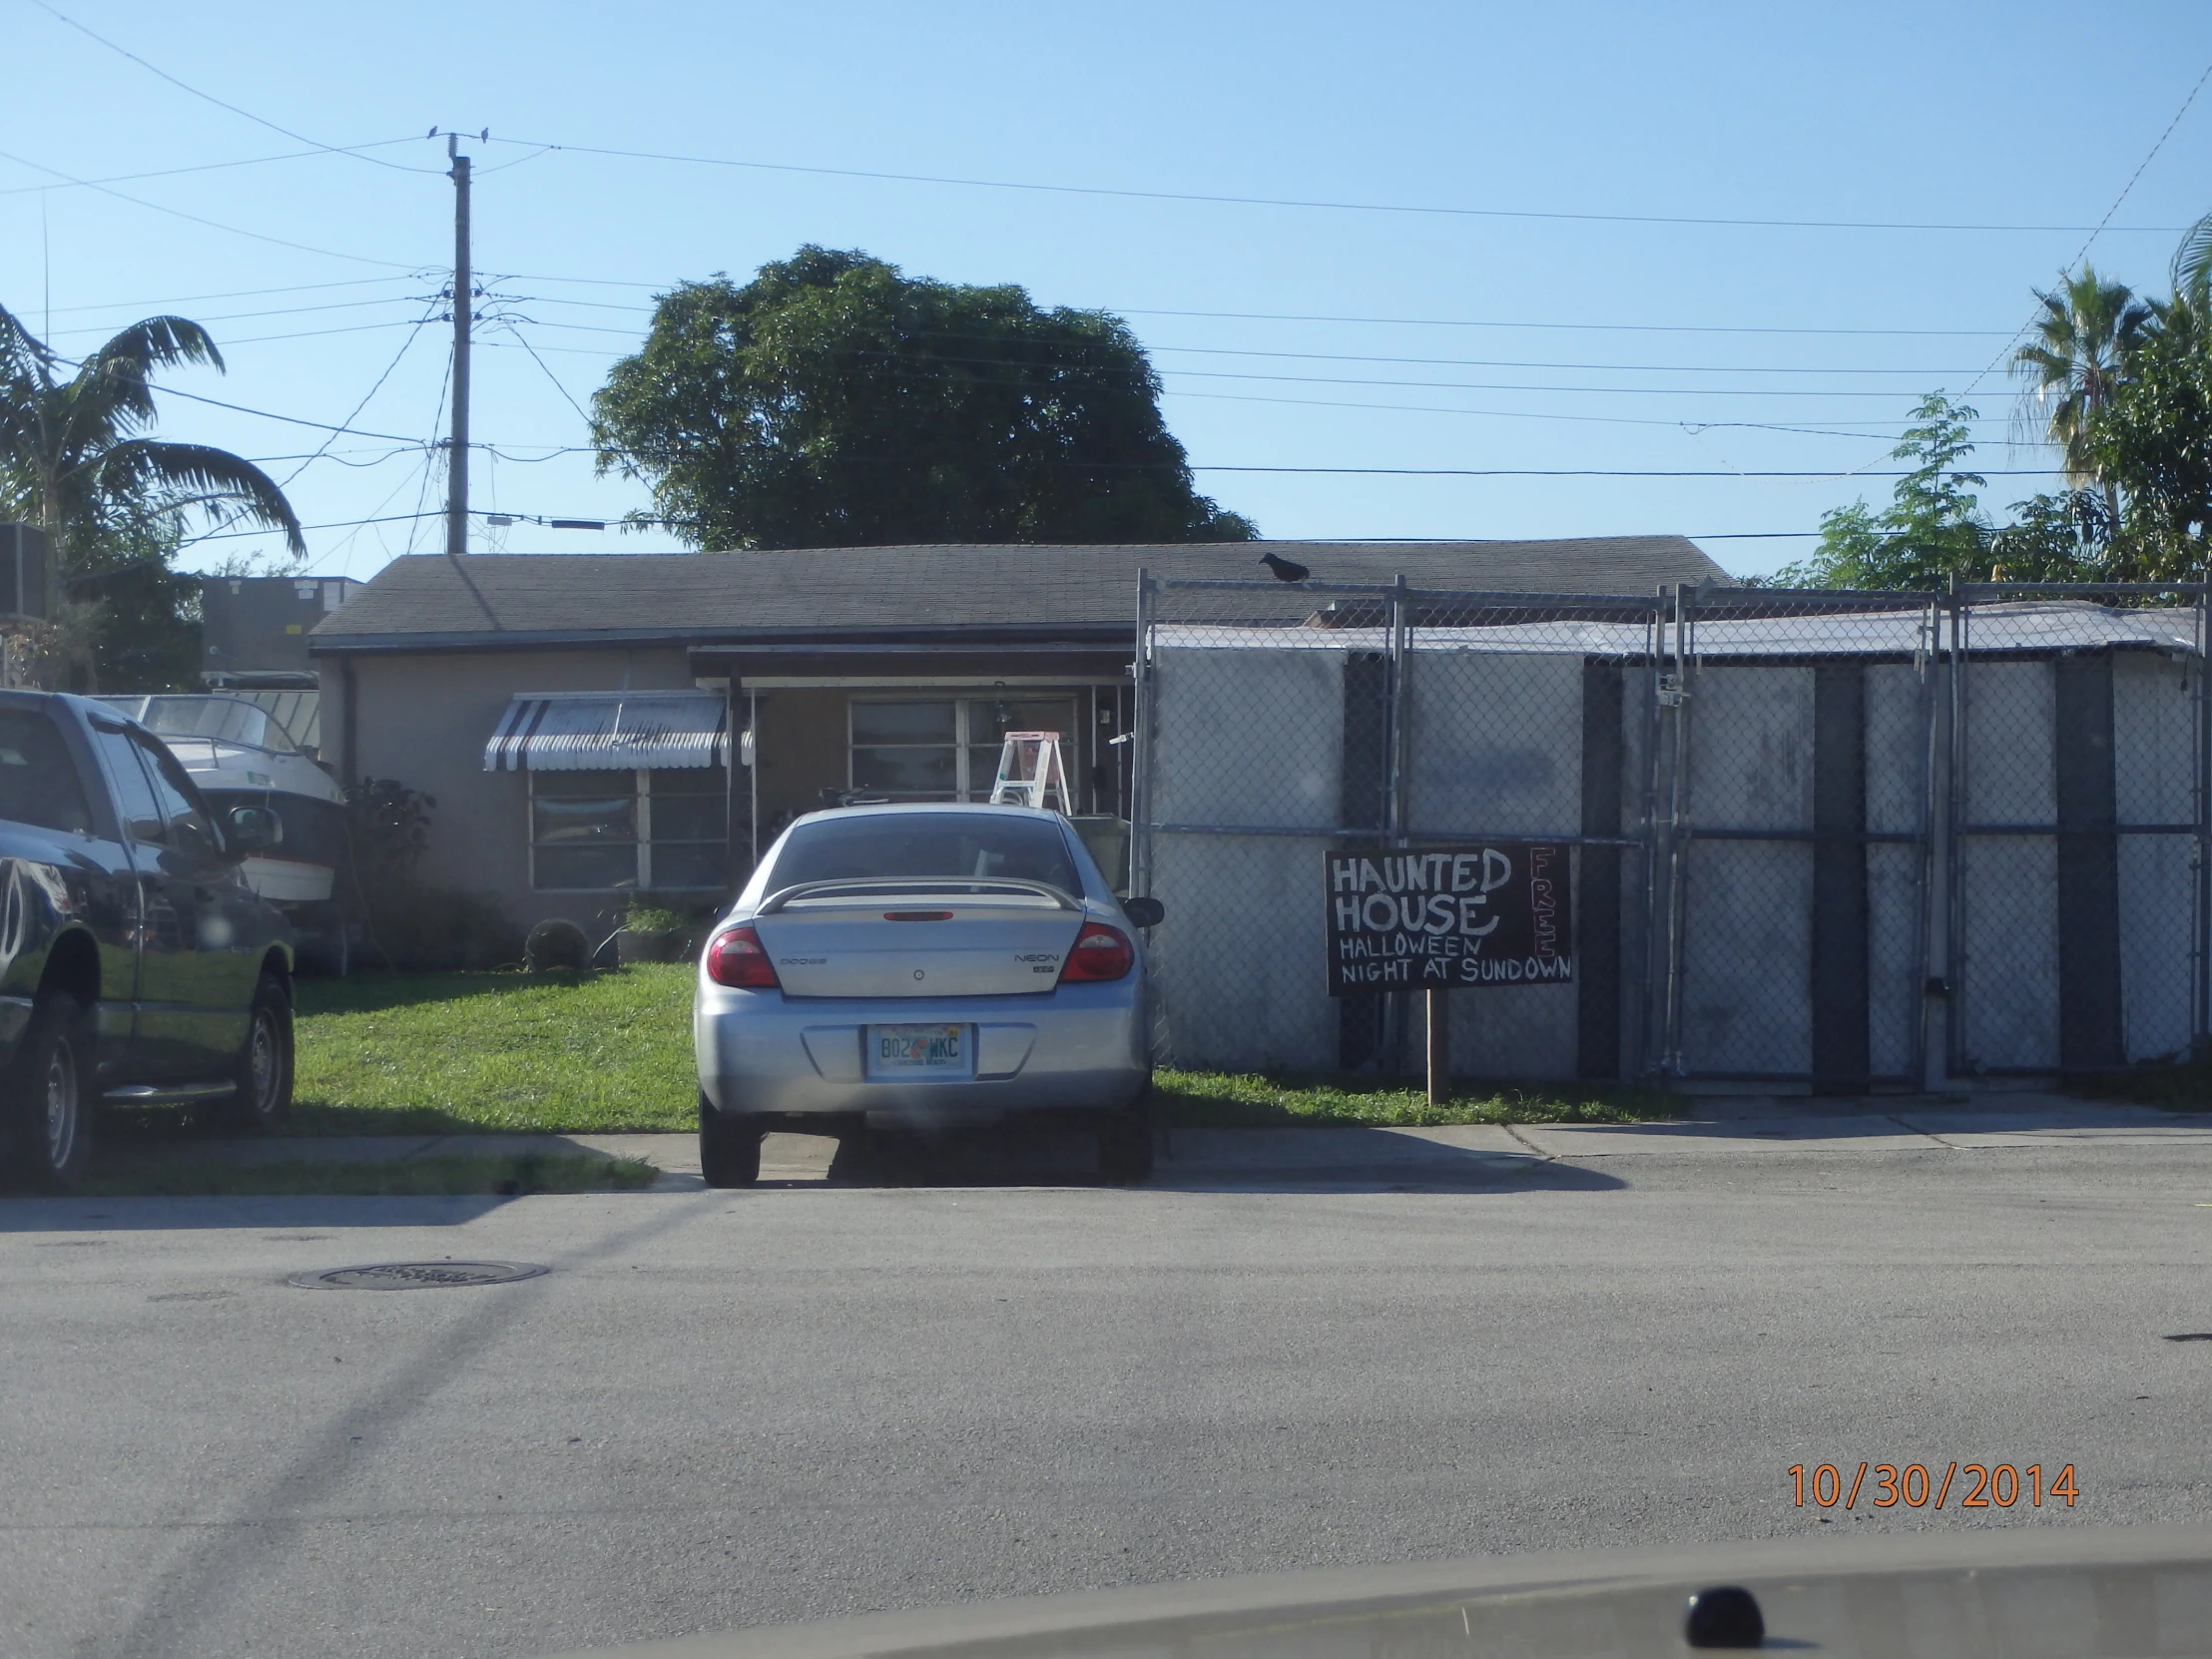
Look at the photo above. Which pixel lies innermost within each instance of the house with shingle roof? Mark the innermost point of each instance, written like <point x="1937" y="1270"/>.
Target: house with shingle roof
<point x="599" y="724"/>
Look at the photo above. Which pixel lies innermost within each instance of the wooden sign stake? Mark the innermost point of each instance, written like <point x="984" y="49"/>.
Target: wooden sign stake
<point x="1439" y="1045"/>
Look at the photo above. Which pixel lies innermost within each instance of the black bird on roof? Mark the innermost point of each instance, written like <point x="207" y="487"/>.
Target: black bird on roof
<point x="1286" y="570"/>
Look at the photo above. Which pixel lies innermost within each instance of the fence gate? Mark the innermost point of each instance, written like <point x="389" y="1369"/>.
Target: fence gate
<point x="1796" y="835"/>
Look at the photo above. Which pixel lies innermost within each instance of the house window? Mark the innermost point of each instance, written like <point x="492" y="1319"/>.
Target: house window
<point x="662" y="830"/>
<point x="946" y="749"/>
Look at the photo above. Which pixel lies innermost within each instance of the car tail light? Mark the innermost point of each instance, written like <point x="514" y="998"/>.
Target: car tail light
<point x="1099" y="953"/>
<point x="736" y="957"/>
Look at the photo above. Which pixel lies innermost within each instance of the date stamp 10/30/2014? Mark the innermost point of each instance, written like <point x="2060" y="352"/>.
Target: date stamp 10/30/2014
<point x="1916" y="1486"/>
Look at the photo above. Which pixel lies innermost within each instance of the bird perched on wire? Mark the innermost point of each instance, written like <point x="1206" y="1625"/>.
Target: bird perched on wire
<point x="1285" y="570"/>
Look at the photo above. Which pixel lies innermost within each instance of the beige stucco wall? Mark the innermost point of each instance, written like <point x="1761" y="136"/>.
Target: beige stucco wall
<point x="424" y="719"/>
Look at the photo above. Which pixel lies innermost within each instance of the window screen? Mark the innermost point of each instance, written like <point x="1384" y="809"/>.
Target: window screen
<point x="667" y="831"/>
<point x="583" y="830"/>
<point x="688" y="844"/>
<point x="948" y="748"/>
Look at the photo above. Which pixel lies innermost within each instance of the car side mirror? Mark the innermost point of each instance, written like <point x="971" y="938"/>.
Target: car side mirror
<point x="253" y="829"/>
<point x="1145" y="912"/>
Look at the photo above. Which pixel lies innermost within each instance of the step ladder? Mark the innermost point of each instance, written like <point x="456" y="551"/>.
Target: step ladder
<point x="1031" y="772"/>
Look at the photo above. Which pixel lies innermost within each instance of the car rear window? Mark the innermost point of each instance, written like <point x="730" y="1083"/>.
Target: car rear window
<point x="38" y="781"/>
<point x="935" y="844"/>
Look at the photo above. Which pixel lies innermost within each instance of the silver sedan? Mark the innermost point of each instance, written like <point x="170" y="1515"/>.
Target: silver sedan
<point x="925" y="967"/>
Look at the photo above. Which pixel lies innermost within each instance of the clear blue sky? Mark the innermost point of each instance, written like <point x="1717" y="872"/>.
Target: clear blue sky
<point x="2016" y="115"/>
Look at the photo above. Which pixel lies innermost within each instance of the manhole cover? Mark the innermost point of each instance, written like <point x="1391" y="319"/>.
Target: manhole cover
<point x="417" y="1275"/>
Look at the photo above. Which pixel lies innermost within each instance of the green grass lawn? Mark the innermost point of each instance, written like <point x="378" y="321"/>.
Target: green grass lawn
<point x="388" y="1053"/>
<point x="407" y="1053"/>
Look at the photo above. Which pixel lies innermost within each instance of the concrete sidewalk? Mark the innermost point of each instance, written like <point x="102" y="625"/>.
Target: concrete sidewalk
<point x="1483" y="1153"/>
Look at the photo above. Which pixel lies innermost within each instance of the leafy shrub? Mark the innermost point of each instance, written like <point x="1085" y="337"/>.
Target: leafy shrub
<point x="413" y="926"/>
<point x="644" y="915"/>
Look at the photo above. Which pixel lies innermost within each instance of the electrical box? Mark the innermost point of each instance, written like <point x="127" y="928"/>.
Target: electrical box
<point x="25" y="562"/>
<point x="252" y="624"/>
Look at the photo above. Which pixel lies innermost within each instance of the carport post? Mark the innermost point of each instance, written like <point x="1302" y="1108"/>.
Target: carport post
<point x="1439" y="1020"/>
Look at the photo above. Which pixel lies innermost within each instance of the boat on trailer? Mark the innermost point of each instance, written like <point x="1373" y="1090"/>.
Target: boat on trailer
<point x="240" y="755"/>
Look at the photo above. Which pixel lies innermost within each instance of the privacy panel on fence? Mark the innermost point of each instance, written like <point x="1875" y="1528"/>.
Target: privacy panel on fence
<point x="1251" y="738"/>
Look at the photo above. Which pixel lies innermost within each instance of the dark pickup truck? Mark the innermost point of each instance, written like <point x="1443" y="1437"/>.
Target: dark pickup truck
<point x="136" y="966"/>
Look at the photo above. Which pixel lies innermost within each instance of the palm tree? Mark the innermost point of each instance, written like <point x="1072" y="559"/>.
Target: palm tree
<point x="2084" y="336"/>
<point x="76" y="461"/>
<point x="2194" y="265"/>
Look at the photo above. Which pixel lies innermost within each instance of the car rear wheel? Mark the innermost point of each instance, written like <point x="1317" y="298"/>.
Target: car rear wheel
<point x="729" y="1148"/>
<point x="263" y="1100"/>
<point x="1125" y="1145"/>
<point x="48" y="1096"/>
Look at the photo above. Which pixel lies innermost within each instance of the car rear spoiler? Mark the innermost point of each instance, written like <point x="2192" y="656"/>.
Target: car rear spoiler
<point x="932" y="886"/>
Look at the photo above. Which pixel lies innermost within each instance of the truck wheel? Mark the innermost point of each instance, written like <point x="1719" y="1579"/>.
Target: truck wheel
<point x="1125" y="1145"/>
<point x="263" y="1100"/>
<point x="49" y="1096"/>
<point x="729" y="1150"/>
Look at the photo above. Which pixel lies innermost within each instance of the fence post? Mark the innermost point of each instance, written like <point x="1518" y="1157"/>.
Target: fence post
<point x="1935" y="848"/>
<point x="1955" y="898"/>
<point x="2200" y="1006"/>
<point x="1398" y="1009"/>
<point x="1140" y="726"/>
<point x="1677" y="695"/>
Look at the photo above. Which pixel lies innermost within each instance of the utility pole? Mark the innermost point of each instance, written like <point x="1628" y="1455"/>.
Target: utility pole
<point x="456" y="449"/>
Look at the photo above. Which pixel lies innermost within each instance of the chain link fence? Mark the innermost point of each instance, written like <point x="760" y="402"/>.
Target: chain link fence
<point x="1839" y="839"/>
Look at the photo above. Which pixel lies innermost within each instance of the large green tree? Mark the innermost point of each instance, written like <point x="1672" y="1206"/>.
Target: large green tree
<point x="76" y="459"/>
<point x="1935" y="527"/>
<point x="834" y="402"/>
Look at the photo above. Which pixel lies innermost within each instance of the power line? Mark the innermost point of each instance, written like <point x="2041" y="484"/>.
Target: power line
<point x="235" y="293"/>
<point x="1692" y="427"/>
<point x="549" y="519"/>
<point x="209" y="96"/>
<point x="2098" y="228"/>
<point x="289" y="421"/>
<point x="1591" y="473"/>
<point x="1597" y="328"/>
<point x="214" y="167"/>
<point x="309" y="460"/>
<point x="1347" y="357"/>
<point x="213" y="225"/>
<point x="524" y="342"/>
<point x="283" y="311"/>
<point x="1365" y="380"/>
<point x="1336" y="206"/>
<point x="1378" y="321"/>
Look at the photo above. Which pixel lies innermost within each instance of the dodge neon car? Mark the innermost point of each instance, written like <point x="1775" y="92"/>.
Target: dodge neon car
<point x="925" y="967"/>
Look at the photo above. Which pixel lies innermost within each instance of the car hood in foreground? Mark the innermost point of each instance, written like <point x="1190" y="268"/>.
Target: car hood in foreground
<point x="2058" y="1592"/>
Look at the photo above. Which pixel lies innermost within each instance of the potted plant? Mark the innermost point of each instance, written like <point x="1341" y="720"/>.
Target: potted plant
<point x="652" y="932"/>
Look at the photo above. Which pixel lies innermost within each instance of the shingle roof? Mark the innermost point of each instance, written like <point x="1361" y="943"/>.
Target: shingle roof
<point x="430" y="600"/>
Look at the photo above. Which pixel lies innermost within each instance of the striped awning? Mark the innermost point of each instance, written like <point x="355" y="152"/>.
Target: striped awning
<point x="607" y="731"/>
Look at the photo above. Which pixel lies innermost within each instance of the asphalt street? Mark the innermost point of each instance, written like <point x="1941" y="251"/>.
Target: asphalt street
<point x="729" y="1409"/>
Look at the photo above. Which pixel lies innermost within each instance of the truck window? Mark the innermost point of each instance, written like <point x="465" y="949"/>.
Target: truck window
<point x="189" y="829"/>
<point x="134" y="795"/>
<point x="38" y="781"/>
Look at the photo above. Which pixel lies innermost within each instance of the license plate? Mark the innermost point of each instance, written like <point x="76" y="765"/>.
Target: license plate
<point x="920" y="1052"/>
